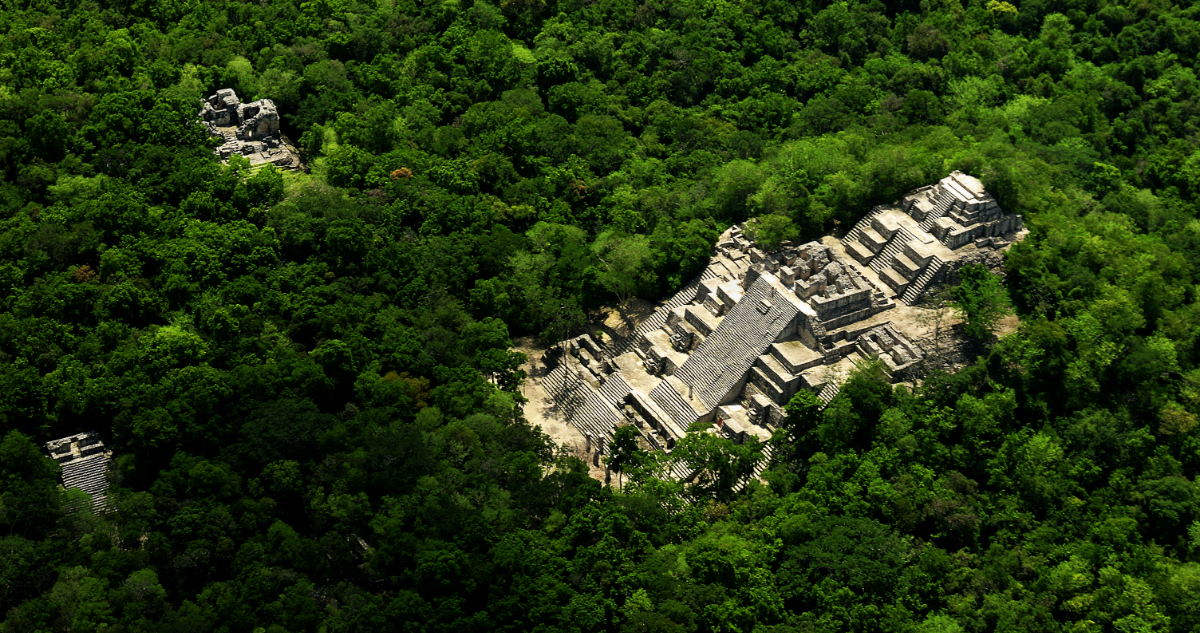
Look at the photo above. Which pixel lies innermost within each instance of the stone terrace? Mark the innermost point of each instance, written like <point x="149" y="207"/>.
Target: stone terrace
<point x="740" y="340"/>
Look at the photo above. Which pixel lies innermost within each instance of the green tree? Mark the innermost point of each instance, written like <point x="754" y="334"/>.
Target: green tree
<point x="625" y="265"/>
<point x="803" y="415"/>
<point x="981" y="300"/>
<point x="624" y="451"/>
<point x="29" y="495"/>
<point x="769" y="231"/>
<point x="715" y="465"/>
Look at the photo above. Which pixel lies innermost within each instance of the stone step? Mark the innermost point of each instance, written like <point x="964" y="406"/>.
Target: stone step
<point x="772" y="389"/>
<point x="828" y="392"/>
<point x="860" y="253"/>
<point x="87" y="483"/>
<point x="856" y="232"/>
<point x="895" y="247"/>
<point x="914" y="291"/>
<point x="686" y="295"/>
<point x="673" y="404"/>
<point x="614" y="390"/>
<point x="595" y="416"/>
<point x="938" y="211"/>
<point x="872" y="239"/>
<point x="905" y="266"/>
<point x="897" y="282"/>
<point x="775" y="370"/>
<point x="884" y="260"/>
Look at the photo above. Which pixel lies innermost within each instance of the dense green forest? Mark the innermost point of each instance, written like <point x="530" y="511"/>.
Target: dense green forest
<point x="307" y="377"/>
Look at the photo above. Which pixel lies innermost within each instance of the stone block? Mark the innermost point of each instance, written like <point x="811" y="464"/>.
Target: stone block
<point x="907" y="267"/>
<point x="860" y="253"/>
<point x="259" y="120"/>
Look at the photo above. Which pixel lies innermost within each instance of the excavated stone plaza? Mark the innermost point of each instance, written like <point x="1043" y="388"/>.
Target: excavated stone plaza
<point x="737" y="343"/>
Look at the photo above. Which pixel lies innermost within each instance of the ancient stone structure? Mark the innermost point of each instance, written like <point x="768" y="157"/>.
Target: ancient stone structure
<point x="84" y="461"/>
<point x="737" y="343"/>
<point x="911" y="245"/>
<point x="250" y="129"/>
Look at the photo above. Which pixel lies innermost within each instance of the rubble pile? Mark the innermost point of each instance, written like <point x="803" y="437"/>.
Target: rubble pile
<point x="248" y="129"/>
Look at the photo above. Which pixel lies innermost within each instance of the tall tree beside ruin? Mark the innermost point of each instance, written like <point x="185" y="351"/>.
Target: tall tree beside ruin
<point x="981" y="300"/>
<point x="715" y="464"/>
<point x="935" y="306"/>
<point x="625" y="451"/>
<point x="623" y="264"/>
<point x="769" y="231"/>
<point x="803" y="416"/>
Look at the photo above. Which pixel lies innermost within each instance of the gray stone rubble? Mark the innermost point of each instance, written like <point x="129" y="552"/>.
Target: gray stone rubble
<point x="737" y="343"/>
<point x="249" y="129"/>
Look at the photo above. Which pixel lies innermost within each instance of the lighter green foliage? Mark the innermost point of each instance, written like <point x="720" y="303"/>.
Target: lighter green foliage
<point x="72" y="189"/>
<point x="247" y="78"/>
<point x="977" y="91"/>
<point x="624" y="263"/>
<point x="1170" y="84"/>
<point x="770" y="230"/>
<point x="522" y="54"/>
<point x="941" y="623"/>
<point x="1017" y="110"/>
<point x="1096" y="353"/>
<point x="809" y="161"/>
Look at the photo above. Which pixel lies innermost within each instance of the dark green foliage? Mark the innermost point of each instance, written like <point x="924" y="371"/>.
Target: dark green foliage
<point x="309" y="380"/>
<point x="29" y="492"/>
<point x="625" y="451"/>
<point x="980" y="299"/>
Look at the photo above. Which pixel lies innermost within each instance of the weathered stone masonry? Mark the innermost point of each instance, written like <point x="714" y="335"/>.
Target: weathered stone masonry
<point x="737" y="343"/>
<point x="249" y="129"/>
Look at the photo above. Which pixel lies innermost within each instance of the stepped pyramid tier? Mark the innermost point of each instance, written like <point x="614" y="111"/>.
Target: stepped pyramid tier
<point x="84" y="460"/>
<point x="250" y="129"/>
<point x="735" y="345"/>
<point x="913" y="244"/>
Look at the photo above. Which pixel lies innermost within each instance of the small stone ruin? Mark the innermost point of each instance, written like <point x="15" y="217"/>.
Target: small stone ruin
<point x="84" y="460"/>
<point x="736" y="344"/>
<point x="249" y="129"/>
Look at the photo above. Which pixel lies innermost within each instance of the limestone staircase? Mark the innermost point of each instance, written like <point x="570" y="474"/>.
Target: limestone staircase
<point x="781" y="377"/>
<point x="762" y="465"/>
<point x="673" y="404"/>
<point x="828" y="393"/>
<point x="894" y="248"/>
<point x="855" y="233"/>
<point x="943" y="205"/>
<point x="87" y="474"/>
<point x="718" y="379"/>
<point x="915" y="289"/>
<point x="555" y="381"/>
<point x="686" y="295"/>
<point x="586" y="410"/>
<point x="614" y="390"/>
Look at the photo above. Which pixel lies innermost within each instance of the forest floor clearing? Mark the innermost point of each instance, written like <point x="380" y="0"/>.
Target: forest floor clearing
<point x="611" y="321"/>
<point x="542" y="410"/>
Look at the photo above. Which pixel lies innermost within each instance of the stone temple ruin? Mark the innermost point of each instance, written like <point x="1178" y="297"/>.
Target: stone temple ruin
<point x="909" y="246"/>
<point x="250" y="129"/>
<point x="84" y="460"/>
<point x="737" y="343"/>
